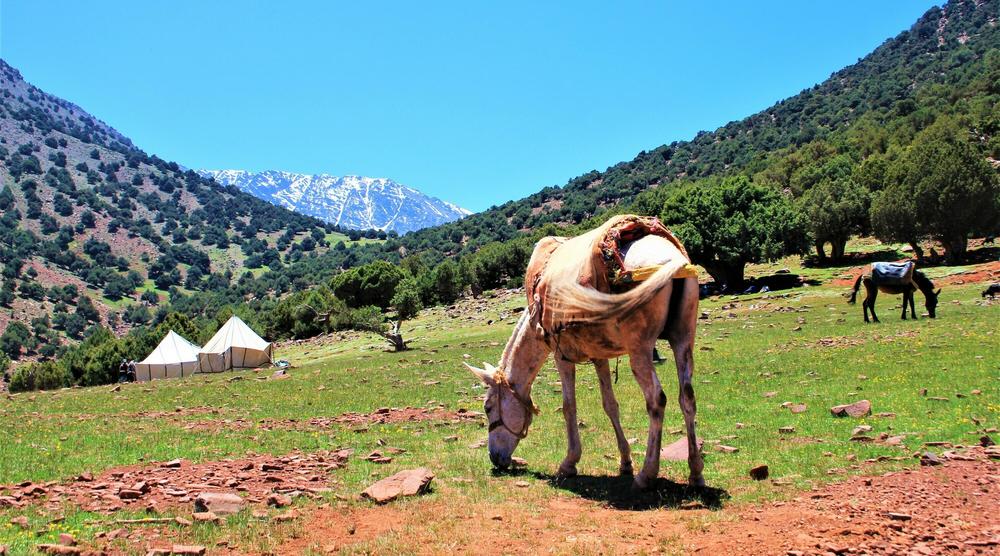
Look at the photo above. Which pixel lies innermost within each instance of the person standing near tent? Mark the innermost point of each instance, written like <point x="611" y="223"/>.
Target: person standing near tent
<point x="123" y="371"/>
<point x="131" y="370"/>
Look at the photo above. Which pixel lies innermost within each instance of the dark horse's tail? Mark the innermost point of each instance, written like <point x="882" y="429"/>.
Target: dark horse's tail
<point x="857" y="286"/>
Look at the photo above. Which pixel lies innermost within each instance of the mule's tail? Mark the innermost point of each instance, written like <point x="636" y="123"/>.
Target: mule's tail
<point x="857" y="286"/>
<point x="568" y="301"/>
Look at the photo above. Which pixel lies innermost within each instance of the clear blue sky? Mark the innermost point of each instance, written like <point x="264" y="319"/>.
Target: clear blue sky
<point x="474" y="102"/>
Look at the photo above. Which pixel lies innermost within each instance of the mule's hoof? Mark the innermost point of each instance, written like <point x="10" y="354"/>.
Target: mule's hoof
<point x="640" y="483"/>
<point x="566" y="471"/>
<point x="698" y="481"/>
<point x="625" y="470"/>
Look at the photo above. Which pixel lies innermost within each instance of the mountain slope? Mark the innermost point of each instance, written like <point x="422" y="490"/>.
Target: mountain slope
<point x="350" y="201"/>
<point x="942" y="61"/>
<point x="88" y="222"/>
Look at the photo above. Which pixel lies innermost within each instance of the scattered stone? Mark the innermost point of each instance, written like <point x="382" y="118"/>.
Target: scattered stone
<point x="187" y="550"/>
<point x="219" y="503"/>
<point x="786" y="430"/>
<point x="279" y="500"/>
<point x="452" y="438"/>
<point x="67" y="539"/>
<point x="930" y="458"/>
<point x="678" y="450"/>
<point x="21" y="521"/>
<point x="518" y="462"/>
<point x="172" y="464"/>
<point x="205" y="517"/>
<point x="57" y="549"/>
<point x="861" y="429"/>
<point x="522" y="484"/>
<point x="798" y="408"/>
<point x="759" y="473"/>
<point x="727" y="449"/>
<point x="899" y="516"/>
<point x="770" y="394"/>
<point x="129" y="494"/>
<point x="985" y="441"/>
<point x="857" y="409"/>
<point x="405" y="483"/>
<point x="182" y="521"/>
<point x="938" y="399"/>
<point x="286" y="516"/>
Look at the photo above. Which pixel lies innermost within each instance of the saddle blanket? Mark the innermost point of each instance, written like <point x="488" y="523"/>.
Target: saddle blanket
<point x="893" y="274"/>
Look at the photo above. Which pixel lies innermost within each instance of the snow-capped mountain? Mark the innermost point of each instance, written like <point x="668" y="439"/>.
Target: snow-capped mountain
<point x="350" y="201"/>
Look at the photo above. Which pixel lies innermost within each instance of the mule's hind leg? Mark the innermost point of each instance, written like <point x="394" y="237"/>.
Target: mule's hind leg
<point x="645" y="374"/>
<point x="681" y="333"/>
<point x="872" y="296"/>
<point x="611" y="408"/>
<point x="906" y="299"/>
<point x="567" y="375"/>
<point x="913" y="310"/>
<point x="868" y="297"/>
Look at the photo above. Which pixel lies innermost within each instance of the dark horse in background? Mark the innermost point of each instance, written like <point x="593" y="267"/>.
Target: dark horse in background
<point x="895" y="279"/>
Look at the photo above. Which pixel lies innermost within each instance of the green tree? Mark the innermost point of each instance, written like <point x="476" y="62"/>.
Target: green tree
<point x="941" y="188"/>
<point x="447" y="282"/>
<point x="45" y="375"/>
<point x="725" y="225"/>
<point x="370" y="284"/>
<point x="16" y="336"/>
<point x="835" y="209"/>
<point x="406" y="300"/>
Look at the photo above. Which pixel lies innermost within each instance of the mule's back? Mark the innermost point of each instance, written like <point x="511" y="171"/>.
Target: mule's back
<point x="893" y="274"/>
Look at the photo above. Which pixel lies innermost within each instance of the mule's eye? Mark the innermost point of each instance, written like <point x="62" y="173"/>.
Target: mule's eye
<point x="488" y="408"/>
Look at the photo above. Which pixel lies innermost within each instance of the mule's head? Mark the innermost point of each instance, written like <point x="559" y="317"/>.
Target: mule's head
<point x="931" y="302"/>
<point x="508" y="413"/>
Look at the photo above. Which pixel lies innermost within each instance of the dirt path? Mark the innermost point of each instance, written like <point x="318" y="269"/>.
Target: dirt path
<point x="952" y="508"/>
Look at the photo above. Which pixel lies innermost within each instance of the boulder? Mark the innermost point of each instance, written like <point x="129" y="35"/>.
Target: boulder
<point x="205" y="517"/>
<point x="219" y="503"/>
<point x="405" y="483"/>
<point x="678" y="450"/>
<point x="857" y="409"/>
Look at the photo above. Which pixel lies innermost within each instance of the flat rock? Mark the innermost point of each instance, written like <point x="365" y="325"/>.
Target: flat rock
<point x="219" y="503"/>
<point x="727" y="449"/>
<point x="678" y="450"/>
<point x="21" y="521"/>
<point x="57" y="549"/>
<point x="279" y="500"/>
<point x="759" y="473"/>
<point x="205" y="517"/>
<point x="405" y="483"/>
<point x="187" y="550"/>
<point x="857" y="409"/>
<point x="930" y="458"/>
<point x="798" y="408"/>
<point x="172" y="464"/>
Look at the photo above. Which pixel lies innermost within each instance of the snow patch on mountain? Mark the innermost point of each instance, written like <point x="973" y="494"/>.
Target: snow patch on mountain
<point x="351" y="201"/>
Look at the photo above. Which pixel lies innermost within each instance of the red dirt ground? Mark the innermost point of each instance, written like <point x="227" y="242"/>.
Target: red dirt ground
<point x="948" y="509"/>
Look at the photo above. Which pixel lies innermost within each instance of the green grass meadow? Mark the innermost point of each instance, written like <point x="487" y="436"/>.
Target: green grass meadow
<point x="805" y="345"/>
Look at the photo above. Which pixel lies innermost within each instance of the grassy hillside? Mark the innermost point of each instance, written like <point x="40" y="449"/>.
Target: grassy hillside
<point x="87" y="214"/>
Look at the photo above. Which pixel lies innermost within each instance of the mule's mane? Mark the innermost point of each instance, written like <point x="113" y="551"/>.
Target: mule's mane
<point x="923" y="282"/>
<point x="504" y="366"/>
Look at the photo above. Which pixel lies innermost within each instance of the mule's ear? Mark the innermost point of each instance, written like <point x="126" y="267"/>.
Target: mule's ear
<point x="484" y="376"/>
<point x="489" y="368"/>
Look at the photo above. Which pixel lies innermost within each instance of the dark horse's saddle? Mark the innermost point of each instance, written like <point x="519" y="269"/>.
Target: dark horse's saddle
<point x="893" y="274"/>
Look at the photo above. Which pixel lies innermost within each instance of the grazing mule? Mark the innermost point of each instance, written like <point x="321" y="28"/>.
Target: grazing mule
<point x="895" y="279"/>
<point x="991" y="291"/>
<point x="585" y="303"/>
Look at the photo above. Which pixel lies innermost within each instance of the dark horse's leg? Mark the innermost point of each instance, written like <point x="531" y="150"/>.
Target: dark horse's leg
<point x="907" y="298"/>
<point x="870" y="299"/>
<point x="913" y="310"/>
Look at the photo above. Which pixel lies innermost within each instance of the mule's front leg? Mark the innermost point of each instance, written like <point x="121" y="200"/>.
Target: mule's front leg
<point x="611" y="408"/>
<point x="656" y="401"/>
<point x="567" y="375"/>
<point x="906" y="299"/>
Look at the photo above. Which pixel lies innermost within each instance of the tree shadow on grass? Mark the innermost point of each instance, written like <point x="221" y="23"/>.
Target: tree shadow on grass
<point x="616" y="491"/>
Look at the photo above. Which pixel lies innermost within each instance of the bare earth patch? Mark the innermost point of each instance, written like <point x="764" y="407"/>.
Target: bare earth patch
<point x="350" y="419"/>
<point x="948" y="509"/>
<point x="178" y="483"/>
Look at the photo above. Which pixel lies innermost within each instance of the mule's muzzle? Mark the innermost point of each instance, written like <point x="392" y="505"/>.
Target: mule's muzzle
<point x="499" y="460"/>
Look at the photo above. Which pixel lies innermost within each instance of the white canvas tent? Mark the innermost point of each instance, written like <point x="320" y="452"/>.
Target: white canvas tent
<point x="174" y="357"/>
<point x="234" y="346"/>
